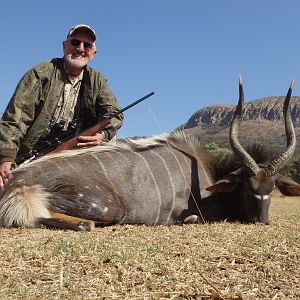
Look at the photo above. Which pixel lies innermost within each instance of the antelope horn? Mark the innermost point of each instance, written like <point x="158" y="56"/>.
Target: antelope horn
<point x="237" y="148"/>
<point x="275" y="165"/>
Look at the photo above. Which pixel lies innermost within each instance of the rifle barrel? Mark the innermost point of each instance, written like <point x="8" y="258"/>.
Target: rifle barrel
<point x="130" y="105"/>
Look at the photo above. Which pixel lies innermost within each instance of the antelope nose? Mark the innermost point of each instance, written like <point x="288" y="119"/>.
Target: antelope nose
<point x="261" y="223"/>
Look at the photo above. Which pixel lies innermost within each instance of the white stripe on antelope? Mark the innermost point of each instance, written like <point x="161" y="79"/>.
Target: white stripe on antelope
<point x="158" y="180"/>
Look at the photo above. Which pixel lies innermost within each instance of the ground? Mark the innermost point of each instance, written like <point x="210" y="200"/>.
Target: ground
<point x="208" y="261"/>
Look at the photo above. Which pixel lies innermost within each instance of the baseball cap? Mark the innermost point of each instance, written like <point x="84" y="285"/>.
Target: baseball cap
<point x="82" y="27"/>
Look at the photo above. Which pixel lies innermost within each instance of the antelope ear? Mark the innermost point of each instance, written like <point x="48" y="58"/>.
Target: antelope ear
<point x="287" y="186"/>
<point x="224" y="185"/>
<point x="228" y="183"/>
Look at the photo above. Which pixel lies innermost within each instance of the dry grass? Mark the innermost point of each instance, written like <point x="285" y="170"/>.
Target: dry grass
<point x="210" y="261"/>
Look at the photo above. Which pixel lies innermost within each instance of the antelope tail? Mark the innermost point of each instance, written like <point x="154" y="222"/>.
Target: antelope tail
<point x="23" y="206"/>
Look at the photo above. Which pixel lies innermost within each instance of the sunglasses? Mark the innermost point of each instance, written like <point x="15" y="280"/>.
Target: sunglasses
<point x="77" y="43"/>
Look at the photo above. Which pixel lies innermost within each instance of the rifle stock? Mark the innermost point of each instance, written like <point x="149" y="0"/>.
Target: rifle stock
<point x="72" y="142"/>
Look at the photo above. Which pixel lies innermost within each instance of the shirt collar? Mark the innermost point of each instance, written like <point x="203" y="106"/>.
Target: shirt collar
<point x="71" y="78"/>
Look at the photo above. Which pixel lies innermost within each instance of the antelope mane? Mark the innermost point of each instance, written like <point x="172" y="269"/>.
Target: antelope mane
<point x="178" y="139"/>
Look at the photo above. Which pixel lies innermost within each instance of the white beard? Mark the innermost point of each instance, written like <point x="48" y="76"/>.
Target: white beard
<point x="76" y="63"/>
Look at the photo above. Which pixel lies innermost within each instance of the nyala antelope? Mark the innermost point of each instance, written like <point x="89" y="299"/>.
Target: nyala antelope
<point x="165" y="179"/>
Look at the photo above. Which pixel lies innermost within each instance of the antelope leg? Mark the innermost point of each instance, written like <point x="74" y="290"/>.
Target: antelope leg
<point x="63" y="221"/>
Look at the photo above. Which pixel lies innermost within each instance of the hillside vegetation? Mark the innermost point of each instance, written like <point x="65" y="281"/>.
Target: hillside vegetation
<point x="262" y="123"/>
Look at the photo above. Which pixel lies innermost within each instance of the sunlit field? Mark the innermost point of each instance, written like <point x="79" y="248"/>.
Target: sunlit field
<point x="208" y="261"/>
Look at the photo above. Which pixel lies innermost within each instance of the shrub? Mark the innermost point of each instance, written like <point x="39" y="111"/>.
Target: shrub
<point x="221" y="153"/>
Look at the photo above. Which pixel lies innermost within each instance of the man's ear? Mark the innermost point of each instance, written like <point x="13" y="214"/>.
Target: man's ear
<point x="287" y="186"/>
<point x="93" y="55"/>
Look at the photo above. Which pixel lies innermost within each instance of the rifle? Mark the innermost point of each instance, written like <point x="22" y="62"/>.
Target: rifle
<point x="57" y="145"/>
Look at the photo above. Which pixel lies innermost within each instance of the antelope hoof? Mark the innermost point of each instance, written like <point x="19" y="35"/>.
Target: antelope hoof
<point x="86" y="226"/>
<point x="192" y="219"/>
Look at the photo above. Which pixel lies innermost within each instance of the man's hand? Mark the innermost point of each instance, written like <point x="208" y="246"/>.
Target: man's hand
<point x="5" y="170"/>
<point x="91" y="140"/>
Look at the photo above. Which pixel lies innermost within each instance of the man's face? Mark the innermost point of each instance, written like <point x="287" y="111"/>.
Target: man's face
<point x="79" y="50"/>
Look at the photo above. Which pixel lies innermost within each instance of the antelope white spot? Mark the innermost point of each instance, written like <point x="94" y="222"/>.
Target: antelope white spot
<point x="262" y="197"/>
<point x="80" y="195"/>
<point x="94" y="205"/>
<point x="105" y="209"/>
<point x="87" y="187"/>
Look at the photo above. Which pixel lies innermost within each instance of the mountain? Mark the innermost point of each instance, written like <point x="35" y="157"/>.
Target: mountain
<point x="262" y="123"/>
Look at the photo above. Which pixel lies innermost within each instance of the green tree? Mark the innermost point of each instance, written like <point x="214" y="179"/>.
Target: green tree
<point x="222" y="153"/>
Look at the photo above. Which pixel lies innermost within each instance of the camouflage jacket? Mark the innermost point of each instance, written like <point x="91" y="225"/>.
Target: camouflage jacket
<point x="29" y="112"/>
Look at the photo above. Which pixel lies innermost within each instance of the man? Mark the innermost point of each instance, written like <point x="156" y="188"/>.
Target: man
<point x="56" y="96"/>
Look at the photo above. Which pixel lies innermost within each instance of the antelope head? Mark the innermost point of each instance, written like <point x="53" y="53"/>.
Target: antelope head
<point x="253" y="184"/>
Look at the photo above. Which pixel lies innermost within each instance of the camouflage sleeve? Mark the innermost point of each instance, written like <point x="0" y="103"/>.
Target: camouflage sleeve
<point x="106" y="104"/>
<point x="18" y="116"/>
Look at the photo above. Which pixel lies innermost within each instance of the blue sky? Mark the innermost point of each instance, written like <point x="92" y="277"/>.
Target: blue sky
<point x="189" y="52"/>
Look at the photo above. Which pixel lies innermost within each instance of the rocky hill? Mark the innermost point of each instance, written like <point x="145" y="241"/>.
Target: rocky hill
<point x="262" y="123"/>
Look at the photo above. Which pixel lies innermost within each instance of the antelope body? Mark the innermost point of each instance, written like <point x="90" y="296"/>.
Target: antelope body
<point x="158" y="180"/>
